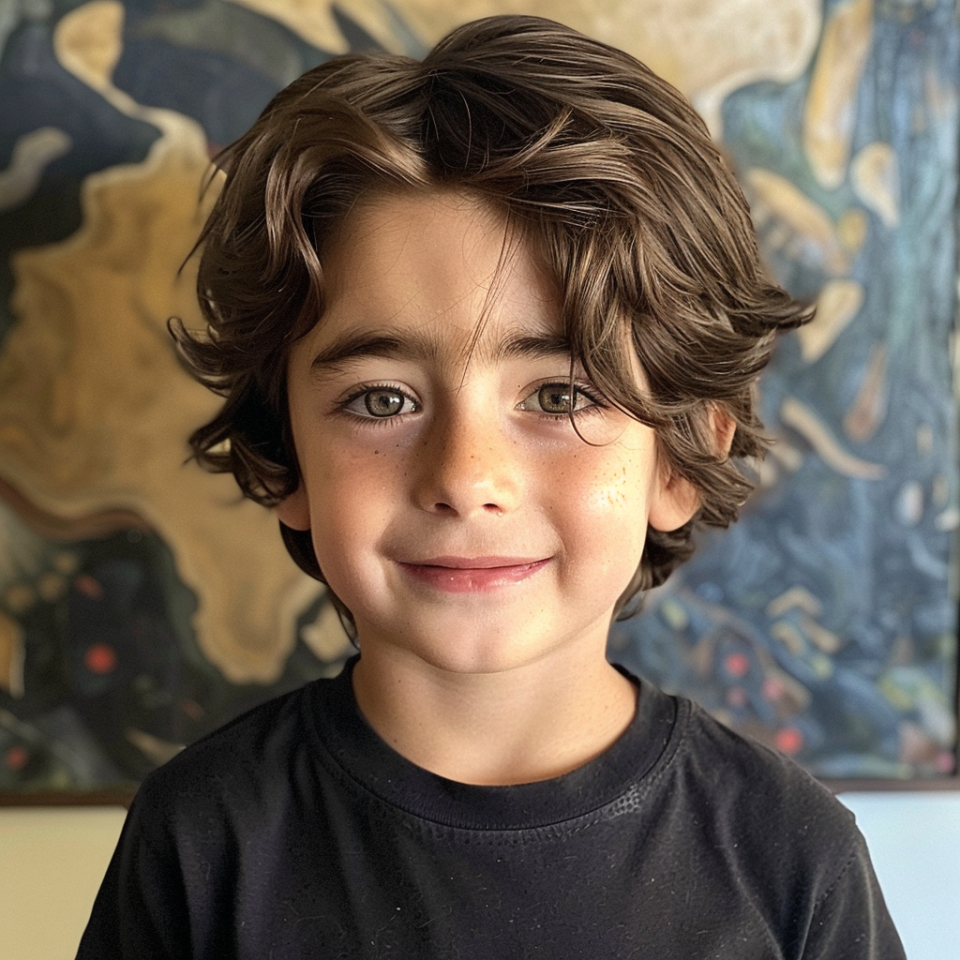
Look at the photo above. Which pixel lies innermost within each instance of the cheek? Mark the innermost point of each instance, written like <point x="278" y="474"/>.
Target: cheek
<point x="607" y="508"/>
<point x="348" y="499"/>
<point x="615" y="492"/>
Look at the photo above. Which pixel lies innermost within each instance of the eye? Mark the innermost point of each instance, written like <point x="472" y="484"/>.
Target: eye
<point x="559" y="400"/>
<point x="380" y="403"/>
<point x="556" y="398"/>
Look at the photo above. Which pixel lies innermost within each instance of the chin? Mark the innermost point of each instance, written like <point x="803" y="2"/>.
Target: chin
<point x="484" y="661"/>
<point x="466" y="651"/>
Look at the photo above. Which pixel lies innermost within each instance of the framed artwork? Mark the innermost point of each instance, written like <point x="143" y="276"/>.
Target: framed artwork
<point x="143" y="603"/>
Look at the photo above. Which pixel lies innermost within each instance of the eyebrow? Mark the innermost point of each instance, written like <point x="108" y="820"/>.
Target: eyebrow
<point x="418" y="346"/>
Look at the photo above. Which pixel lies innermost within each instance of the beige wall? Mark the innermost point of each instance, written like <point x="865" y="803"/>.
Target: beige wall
<point x="51" y="864"/>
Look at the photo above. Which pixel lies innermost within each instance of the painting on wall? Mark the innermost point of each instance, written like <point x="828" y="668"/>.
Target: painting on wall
<point x="143" y="603"/>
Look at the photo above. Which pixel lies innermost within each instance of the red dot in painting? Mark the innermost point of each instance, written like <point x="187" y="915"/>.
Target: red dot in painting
<point x="736" y="698"/>
<point x="16" y="758"/>
<point x="773" y="689"/>
<point x="89" y="587"/>
<point x="737" y="664"/>
<point x="100" y="658"/>
<point x="789" y="741"/>
<point x="192" y="709"/>
<point x="945" y="762"/>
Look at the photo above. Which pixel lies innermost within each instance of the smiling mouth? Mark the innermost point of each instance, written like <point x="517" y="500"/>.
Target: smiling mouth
<point x="472" y="574"/>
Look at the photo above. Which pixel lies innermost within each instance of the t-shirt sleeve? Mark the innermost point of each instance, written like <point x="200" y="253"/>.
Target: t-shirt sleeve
<point x="850" y="920"/>
<point x="798" y="854"/>
<point x="140" y="911"/>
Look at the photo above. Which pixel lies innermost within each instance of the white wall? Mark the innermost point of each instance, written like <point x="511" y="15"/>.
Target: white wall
<point x="914" y="840"/>
<point x="51" y="862"/>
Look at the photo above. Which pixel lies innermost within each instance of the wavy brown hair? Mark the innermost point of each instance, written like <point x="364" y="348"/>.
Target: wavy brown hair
<point x="610" y="176"/>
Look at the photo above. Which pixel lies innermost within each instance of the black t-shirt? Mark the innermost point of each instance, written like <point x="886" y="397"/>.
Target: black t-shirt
<point x="296" y="832"/>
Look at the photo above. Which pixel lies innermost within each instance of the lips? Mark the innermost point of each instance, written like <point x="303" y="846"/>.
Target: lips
<point x="472" y="574"/>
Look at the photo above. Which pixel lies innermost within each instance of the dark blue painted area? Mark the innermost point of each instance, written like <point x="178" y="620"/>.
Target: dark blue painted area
<point x="36" y="91"/>
<point x="884" y="583"/>
<point x="217" y="62"/>
<point x="223" y="96"/>
<point x="116" y="653"/>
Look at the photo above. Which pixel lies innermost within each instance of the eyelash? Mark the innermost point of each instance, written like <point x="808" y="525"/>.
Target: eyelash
<point x="596" y="404"/>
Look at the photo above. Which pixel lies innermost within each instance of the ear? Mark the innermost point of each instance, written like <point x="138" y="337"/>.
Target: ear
<point x="723" y="427"/>
<point x="294" y="510"/>
<point x="675" y="499"/>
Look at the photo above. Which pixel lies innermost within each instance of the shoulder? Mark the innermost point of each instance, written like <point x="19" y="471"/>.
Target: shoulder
<point x="759" y="822"/>
<point x="236" y="765"/>
<point x="231" y="800"/>
<point x="748" y="781"/>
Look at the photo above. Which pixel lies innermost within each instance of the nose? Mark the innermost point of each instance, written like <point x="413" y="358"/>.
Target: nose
<point x="469" y="465"/>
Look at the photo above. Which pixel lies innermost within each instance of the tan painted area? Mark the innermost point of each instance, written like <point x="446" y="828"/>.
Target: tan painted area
<point x="876" y="181"/>
<point x="829" y="111"/>
<point x="95" y="409"/>
<point x="804" y="228"/>
<point x="853" y="226"/>
<point x="795" y="598"/>
<point x="705" y="49"/>
<point x="88" y="41"/>
<point x="11" y="656"/>
<point x="838" y="303"/>
<point x="869" y="407"/>
<point x="31" y="153"/>
<point x="805" y="421"/>
<point x="314" y="20"/>
<point x="325" y="636"/>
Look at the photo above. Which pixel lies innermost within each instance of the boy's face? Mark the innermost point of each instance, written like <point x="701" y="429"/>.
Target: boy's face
<point x="453" y="507"/>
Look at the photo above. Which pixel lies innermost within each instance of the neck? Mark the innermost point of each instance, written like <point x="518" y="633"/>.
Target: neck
<point x="529" y="723"/>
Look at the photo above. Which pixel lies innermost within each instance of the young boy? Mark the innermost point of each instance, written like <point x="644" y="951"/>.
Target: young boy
<point x="488" y="328"/>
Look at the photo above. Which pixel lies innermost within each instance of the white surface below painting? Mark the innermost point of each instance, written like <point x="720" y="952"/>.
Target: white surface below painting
<point x="52" y="860"/>
<point x="914" y="840"/>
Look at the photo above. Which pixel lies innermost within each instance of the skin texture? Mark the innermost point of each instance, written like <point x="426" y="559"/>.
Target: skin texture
<point x="478" y="541"/>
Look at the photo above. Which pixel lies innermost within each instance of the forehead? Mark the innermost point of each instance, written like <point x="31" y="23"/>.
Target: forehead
<point x="444" y="266"/>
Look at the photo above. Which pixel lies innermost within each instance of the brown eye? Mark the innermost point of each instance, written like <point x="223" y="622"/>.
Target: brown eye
<point x="383" y="403"/>
<point x="555" y="398"/>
